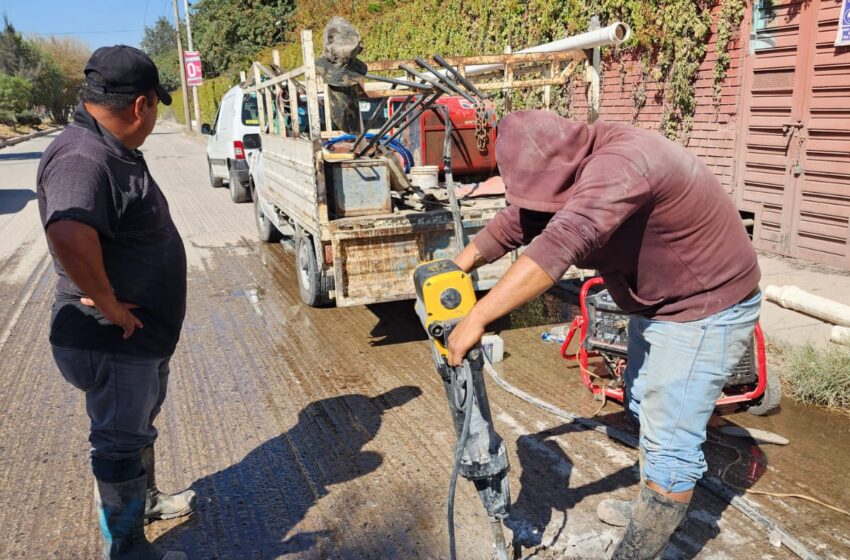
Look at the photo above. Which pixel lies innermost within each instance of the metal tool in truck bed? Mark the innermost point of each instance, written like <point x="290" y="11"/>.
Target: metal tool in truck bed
<point x="359" y="230"/>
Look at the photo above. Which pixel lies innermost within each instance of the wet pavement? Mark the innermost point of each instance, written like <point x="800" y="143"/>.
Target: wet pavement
<point x="324" y="433"/>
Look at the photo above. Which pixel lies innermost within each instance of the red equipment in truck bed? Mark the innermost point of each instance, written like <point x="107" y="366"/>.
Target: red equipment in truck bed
<point x="425" y="138"/>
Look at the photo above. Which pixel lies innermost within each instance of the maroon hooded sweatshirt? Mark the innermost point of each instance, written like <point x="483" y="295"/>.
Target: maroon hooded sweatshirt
<point x="640" y="209"/>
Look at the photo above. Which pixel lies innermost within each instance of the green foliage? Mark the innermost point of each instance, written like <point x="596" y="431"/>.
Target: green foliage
<point x="22" y="58"/>
<point x="159" y="37"/>
<point x="669" y="36"/>
<point x="817" y="375"/>
<point x="160" y="43"/>
<point x="7" y="118"/>
<point x="728" y="22"/>
<point x="28" y="118"/>
<point x="70" y="56"/>
<point x="228" y="34"/>
<point x="15" y="93"/>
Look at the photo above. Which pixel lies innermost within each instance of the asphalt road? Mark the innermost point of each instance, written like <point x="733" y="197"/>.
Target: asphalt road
<point x="320" y="433"/>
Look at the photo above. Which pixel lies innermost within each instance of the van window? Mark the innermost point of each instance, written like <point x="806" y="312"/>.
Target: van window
<point x="250" y="113"/>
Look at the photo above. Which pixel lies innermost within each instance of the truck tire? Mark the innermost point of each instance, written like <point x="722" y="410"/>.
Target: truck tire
<point x="310" y="284"/>
<point x="238" y="191"/>
<point x="771" y="397"/>
<point x="266" y="230"/>
<point x="215" y="182"/>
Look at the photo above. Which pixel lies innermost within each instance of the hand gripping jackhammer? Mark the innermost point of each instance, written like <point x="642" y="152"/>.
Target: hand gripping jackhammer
<point x="444" y="296"/>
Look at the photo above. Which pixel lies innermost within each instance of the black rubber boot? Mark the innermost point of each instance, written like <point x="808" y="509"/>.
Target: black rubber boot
<point x="159" y="505"/>
<point x="653" y="522"/>
<point x="619" y="512"/>
<point x="121" y="507"/>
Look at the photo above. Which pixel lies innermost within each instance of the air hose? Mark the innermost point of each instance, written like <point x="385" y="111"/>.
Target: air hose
<point x="395" y="145"/>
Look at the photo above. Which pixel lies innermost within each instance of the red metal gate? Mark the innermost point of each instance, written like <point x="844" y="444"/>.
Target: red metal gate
<point x="794" y="160"/>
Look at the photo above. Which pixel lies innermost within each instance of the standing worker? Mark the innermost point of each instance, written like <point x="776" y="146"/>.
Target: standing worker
<point x="121" y="294"/>
<point x="671" y="248"/>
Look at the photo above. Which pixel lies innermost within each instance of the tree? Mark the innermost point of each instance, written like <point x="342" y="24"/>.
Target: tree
<point x="160" y="44"/>
<point x="19" y="57"/>
<point x="15" y="93"/>
<point x="229" y="33"/>
<point x="70" y="56"/>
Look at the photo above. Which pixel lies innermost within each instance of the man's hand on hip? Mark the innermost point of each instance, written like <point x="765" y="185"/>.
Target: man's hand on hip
<point x="77" y="246"/>
<point x="116" y="312"/>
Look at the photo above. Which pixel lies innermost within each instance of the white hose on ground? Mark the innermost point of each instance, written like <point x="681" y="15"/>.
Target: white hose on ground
<point x="840" y="335"/>
<point x="614" y="34"/>
<point x="819" y="307"/>
<point x="717" y="487"/>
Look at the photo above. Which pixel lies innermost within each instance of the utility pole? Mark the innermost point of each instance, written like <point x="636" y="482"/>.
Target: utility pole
<point x="192" y="49"/>
<point x="182" y="68"/>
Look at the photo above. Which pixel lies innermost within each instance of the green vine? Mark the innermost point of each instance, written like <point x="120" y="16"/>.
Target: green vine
<point x="668" y="44"/>
<point x="728" y="23"/>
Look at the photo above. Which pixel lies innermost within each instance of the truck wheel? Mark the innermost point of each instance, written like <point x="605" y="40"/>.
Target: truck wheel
<point x="310" y="284"/>
<point x="215" y="182"/>
<point x="771" y="397"/>
<point x="238" y="191"/>
<point x="266" y="230"/>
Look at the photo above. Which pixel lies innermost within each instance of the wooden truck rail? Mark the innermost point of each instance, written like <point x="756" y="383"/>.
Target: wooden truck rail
<point x="364" y="259"/>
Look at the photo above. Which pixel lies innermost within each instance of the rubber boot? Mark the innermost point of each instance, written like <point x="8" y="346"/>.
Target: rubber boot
<point x="619" y="512"/>
<point x="159" y="505"/>
<point x="121" y="508"/>
<point x="653" y="522"/>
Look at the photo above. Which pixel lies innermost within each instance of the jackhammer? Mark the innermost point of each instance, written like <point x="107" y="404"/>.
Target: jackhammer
<point x="444" y="296"/>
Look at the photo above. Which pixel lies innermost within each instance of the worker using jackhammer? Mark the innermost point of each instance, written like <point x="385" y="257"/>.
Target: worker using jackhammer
<point x="671" y="248"/>
<point x="121" y="291"/>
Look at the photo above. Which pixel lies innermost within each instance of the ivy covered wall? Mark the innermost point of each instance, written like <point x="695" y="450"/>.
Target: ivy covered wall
<point x="679" y="73"/>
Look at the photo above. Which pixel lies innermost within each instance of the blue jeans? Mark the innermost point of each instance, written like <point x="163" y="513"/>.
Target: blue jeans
<point x="124" y="394"/>
<point x="674" y="376"/>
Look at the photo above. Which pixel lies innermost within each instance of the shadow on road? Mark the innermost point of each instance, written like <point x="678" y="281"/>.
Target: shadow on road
<point x="544" y="487"/>
<point x="19" y="156"/>
<point x="13" y="201"/>
<point x="397" y="324"/>
<point x="544" y="491"/>
<point x="249" y="508"/>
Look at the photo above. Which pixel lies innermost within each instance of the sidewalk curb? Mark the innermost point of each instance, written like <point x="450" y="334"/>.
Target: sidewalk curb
<point x="24" y="138"/>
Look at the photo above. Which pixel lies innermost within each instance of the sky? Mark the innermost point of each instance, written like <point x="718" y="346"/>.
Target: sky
<point x="95" y="22"/>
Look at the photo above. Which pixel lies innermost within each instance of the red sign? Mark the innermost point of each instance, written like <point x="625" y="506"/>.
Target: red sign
<point x="192" y="60"/>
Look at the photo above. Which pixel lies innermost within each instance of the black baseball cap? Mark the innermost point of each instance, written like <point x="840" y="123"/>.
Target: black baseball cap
<point x="125" y="70"/>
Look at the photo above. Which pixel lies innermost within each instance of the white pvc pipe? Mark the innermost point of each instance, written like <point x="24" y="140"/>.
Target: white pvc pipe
<point x="822" y="308"/>
<point x="614" y="34"/>
<point x="840" y="335"/>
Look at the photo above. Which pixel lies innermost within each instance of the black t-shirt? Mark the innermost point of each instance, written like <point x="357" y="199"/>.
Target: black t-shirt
<point x="88" y="176"/>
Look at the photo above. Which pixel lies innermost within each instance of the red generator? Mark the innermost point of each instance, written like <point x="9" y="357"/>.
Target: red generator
<point x="603" y="333"/>
<point x="425" y="138"/>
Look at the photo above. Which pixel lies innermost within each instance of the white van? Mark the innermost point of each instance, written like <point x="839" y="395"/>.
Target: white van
<point x="233" y="136"/>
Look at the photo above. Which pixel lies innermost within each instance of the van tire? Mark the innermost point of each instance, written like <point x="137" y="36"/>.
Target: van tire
<point x="310" y="283"/>
<point x="238" y="191"/>
<point x="266" y="230"/>
<point x="215" y="182"/>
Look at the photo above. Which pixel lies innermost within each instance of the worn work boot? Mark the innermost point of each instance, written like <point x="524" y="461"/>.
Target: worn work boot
<point x="121" y="507"/>
<point x="653" y="522"/>
<point x="619" y="512"/>
<point x="159" y="505"/>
